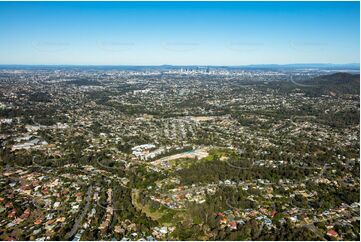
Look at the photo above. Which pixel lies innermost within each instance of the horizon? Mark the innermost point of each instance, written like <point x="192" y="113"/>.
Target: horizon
<point x="196" y="65"/>
<point x="179" y="33"/>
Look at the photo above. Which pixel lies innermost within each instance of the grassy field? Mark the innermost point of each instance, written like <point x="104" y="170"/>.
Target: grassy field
<point x="163" y="215"/>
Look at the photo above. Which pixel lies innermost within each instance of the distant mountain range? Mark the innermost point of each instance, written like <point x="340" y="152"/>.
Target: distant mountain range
<point x="352" y="66"/>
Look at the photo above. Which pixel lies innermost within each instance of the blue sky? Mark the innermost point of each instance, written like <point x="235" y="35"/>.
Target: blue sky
<point x="179" y="33"/>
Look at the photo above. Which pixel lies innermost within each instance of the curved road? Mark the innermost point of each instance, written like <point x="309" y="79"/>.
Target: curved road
<point x="72" y="232"/>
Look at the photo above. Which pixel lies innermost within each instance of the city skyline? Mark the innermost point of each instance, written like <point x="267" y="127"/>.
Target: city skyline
<point x="179" y="33"/>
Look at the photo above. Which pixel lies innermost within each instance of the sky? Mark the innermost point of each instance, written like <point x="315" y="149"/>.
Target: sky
<point x="179" y="33"/>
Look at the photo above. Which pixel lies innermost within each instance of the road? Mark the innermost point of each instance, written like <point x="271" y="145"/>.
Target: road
<point x="72" y="232"/>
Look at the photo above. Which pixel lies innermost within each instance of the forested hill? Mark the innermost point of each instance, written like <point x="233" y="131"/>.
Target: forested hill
<point x="335" y="84"/>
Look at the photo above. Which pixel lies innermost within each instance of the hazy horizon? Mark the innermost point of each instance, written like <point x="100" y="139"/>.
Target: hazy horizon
<point x="215" y="65"/>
